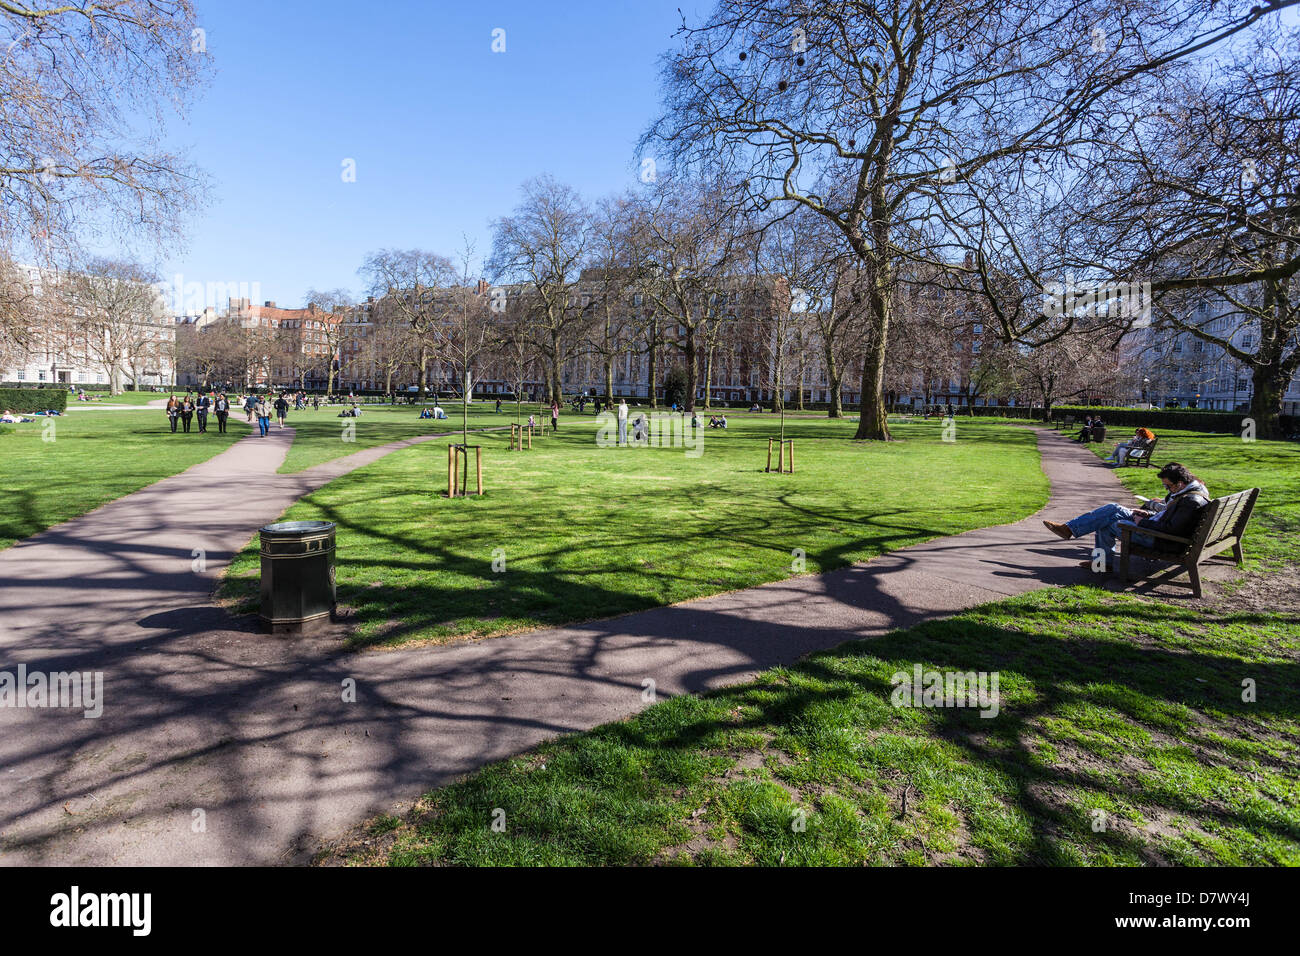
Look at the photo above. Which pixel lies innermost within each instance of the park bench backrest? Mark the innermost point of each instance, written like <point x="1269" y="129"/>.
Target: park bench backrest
<point x="1224" y="518"/>
<point x="1145" y="452"/>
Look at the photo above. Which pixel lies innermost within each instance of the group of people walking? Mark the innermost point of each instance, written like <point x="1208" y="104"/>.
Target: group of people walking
<point x="195" y="409"/>
<point x="184" y="411"/>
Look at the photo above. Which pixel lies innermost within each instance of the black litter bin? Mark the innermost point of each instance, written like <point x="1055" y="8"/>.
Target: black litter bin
<point x="297" y="575"/>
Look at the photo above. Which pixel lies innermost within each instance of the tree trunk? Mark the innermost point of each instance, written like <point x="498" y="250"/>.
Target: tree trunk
<point x="1266" y="401"/>
<point x="708" y="379"/>
<point x="654" y="361"/>
<point x="873" y="422"/>
<point x="802" y="373"/>
<point x="691" y="368"/>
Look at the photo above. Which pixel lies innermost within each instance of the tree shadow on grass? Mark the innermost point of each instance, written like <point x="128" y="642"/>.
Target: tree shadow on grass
<point x="1195" y="693"/>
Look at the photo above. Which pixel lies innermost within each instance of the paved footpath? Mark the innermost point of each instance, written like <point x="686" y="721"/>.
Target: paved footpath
<point x="221" y="745"/>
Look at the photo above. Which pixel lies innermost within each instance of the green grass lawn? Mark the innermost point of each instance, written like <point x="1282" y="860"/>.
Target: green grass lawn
<point x="318" y="435"/>
<point x="1123" y="737"/>
<point x="588" y="532"/>
<point x="94" y="458"/>
<point x="126" y="398"/>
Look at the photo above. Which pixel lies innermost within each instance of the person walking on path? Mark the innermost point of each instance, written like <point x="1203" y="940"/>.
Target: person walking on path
<point x="555" y="415"/>
<point x="498" y="406"/>
<point x="222" y="407"/>
<point x="250" y="404"/>
<point x="187" y="412"/>
<point x="281" y="409"/>
<point x="263" y="413"/>
<point x="622" y="422"/>
<point x="1177" y="514"/>
<point x="173" y="412"/>
<point x="201" y="410"/>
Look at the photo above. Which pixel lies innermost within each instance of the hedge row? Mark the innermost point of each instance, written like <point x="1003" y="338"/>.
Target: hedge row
<point x="1182" y="419"/>
<point x="33" y="399"/>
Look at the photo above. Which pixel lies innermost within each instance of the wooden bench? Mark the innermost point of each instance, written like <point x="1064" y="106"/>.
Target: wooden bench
<point x="1220" y="528"/>
<point x="1141" y="457"/>
<point x="1065" y="423"/>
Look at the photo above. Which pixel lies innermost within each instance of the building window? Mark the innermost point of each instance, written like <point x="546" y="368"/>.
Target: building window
<point x="1246" y="340"/>
<point x="40" y="376"/>
<point x="22" y="376"/>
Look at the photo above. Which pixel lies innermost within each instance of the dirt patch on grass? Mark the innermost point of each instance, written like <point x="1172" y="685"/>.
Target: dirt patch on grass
<point x="1270" y="592"/>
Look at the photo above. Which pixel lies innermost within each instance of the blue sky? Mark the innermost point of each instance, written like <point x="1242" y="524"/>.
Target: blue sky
<point x="443" y="131"/>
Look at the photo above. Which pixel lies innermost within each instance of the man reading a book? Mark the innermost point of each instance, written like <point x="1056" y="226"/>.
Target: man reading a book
<point x="1176" y="514"/>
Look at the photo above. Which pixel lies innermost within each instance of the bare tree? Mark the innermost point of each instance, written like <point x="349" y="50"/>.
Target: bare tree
<point x="1200" y="198"/>
<point x="610" y="277"/>
<point x="390" y="345"/>
<point x="332" y="327"/>
<point x="462" y="339"/>
<point x="413" y="283"/>
<point x="687" y="245"/>
<point x="873" y="114"/>
<point x="543" y="245"/>
<point x="115" y="307"/>
<point x="87" y="85"/>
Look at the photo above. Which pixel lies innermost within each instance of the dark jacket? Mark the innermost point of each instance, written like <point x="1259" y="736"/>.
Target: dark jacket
<point x="1181" y="513"/>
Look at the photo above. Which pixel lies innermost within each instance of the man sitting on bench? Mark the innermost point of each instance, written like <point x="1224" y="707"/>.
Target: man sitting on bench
<point x="1176" y="514"/>
<point x="1085" y="433"/>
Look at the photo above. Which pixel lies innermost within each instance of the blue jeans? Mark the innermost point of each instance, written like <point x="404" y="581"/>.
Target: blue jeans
<point x="1104" y="522"/>
<point x="264" y="425"/>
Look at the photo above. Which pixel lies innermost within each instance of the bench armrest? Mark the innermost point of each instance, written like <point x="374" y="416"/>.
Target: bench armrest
<point x="1128" y="527"/>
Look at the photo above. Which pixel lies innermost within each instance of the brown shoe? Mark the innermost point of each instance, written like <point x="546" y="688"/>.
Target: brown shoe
<point x="1060" y="530"/>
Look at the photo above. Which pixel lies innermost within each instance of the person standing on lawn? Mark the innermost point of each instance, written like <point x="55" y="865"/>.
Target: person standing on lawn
<point x="281" y="409"/>
<point x="201" y="410"/>
<point x="173" y="412"/>
<point x="187" y="412"/>
<point x="622" y="422"/>
<point x="1177" y="514"/>
<point x="222" y="408"/>
<point x="555" y="415"/>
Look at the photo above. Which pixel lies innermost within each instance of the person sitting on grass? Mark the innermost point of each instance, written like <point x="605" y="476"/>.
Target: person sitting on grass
<point x="1177" y="514"/>
<point x="1142" y="438"/>
<point x="425" y="413"/>
<point x="722" y="422"/>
